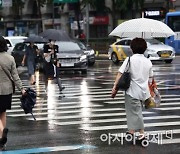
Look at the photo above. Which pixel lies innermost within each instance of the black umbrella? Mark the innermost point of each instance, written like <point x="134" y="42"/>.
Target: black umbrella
<point x="57" y="35"/>
<point x="36" y="39"/>
<point x="28" y="101"/>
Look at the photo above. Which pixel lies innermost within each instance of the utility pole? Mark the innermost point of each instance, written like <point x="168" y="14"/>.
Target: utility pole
<point x="53" y="16"/>
<point x="87" y="23"/>
<point x="167" y="6"/>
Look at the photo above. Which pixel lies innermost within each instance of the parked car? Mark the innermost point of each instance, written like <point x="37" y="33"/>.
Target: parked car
<point x="89" y="52"/>
<point x="72" y="57"/>
<point x="12" y="41"/>
<point x="19" y="50"/>
<point x="156" y="50"/>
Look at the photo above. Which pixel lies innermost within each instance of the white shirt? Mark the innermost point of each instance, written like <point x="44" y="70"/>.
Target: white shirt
<point x="141" y="70"/>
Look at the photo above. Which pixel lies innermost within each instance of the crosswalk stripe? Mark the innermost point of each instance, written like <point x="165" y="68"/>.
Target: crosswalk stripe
<point x="112" y="120"/>
<point x="98" y="97"/>
<point x="55" y="108"/>
<point x="167" y="109"/>
<point x="160" y="124"/>
<point x="83" y="116"/>
<point x="70" y="111"/>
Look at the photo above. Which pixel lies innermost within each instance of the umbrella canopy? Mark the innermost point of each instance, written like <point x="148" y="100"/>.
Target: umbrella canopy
<point x="35" y="39"/>
<point x="54" y="34"/>
<point x="142" y="27"/>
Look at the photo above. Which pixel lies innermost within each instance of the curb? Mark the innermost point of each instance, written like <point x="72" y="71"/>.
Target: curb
<point x="102" y="57"/>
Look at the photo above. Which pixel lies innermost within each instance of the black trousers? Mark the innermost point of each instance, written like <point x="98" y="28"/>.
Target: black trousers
<point x="53" y="74"/>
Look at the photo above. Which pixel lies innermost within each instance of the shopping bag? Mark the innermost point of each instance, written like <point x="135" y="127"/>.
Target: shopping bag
<point x="155" y="99"/>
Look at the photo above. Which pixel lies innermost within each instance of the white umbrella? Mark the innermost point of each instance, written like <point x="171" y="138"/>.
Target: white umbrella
<point x="142" y="27"/>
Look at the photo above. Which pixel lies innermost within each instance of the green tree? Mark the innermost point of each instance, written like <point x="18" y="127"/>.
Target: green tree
<point x="17" y="6"/>
<point x="120" y="7"/>
<point x="99" y="5"/>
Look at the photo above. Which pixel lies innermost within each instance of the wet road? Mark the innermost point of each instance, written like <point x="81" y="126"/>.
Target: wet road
<point x="85" y="119"/>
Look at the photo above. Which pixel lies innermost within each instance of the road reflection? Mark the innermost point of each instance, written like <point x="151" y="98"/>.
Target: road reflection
<point x="85" y="104"/>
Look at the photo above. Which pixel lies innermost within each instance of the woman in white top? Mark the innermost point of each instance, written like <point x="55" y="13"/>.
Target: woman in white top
<point x="141" y="71"/>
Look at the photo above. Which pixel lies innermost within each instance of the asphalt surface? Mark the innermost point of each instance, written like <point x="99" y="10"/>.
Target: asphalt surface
<point x="85" y="119"/>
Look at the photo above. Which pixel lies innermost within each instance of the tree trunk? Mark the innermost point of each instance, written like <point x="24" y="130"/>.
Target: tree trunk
<point x="39" y="15"/>
<point x="77" y="13"/>
<point x="113" y="14"/>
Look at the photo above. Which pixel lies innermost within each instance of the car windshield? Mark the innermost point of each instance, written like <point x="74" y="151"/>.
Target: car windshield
<point x="81" y="45"/>
<point x="68" y="46"/>
<point x="15" y="41"/>
<point x="153" y="41"/>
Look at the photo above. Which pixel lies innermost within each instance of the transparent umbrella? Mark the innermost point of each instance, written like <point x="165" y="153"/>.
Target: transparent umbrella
<point x="142" y="27"/>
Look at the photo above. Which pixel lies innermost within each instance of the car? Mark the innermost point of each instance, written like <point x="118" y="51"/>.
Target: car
<point x="71" y="57"/>
<point x="19" y="50"/>
<point x="12" y="41"/>
<point x="156" y="50"/>
<point x="89" y="52"/>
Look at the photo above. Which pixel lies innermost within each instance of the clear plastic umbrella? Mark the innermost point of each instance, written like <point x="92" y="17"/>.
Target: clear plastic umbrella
<point x="142" y="27"/>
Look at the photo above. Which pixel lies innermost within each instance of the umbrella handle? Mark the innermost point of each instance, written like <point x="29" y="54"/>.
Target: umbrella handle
<point x="33" y="116"/>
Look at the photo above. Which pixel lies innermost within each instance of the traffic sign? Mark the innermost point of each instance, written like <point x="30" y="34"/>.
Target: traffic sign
<point x="65" y="1"/>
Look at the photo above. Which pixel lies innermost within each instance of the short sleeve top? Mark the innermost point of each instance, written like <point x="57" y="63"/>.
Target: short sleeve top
<point x="141" y="70"/>
<point x="48" y="49"/>
<point x="30" y="52"/>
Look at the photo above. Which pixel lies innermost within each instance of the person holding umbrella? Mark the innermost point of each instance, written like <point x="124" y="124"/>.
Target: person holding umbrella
<point x="51" y="63"/>
<point x="141" y="73"/>
<point x="31" y="53"/>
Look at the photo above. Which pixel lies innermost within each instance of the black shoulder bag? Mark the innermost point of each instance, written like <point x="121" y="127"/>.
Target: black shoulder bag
<point x="125" y="79"/>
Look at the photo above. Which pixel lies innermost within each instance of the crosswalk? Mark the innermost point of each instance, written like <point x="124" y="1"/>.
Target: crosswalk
<point x="91" y="108"/>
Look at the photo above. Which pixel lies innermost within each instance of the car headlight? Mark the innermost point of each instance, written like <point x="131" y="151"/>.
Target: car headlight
<point x="89" y="52"/>
<point x="83" y="58"/>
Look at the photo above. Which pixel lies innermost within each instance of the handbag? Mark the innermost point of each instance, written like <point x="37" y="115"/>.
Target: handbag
<point x="125" y="79"/>
<point x="155" y="99"/>
<point x="10" y="77"/>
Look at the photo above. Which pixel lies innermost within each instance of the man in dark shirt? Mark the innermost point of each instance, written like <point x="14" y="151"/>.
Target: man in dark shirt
<point x="30" y="55"/>
<point x="51" y="63"/>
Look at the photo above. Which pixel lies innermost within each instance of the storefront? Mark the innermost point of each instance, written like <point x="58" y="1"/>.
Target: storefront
<point x="98" y="26"/>
<point x="21" y="28"/>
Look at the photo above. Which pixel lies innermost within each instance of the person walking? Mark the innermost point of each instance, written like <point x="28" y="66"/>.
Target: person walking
<point x="141" y="73"/>
<point x="52" y="64"/>
<point x="8" y="75"/>
<point x="30" y="55"/>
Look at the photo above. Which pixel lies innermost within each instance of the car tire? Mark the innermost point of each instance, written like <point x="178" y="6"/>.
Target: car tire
<point x="114" y="58"/>
<point x="84" y="71"/>
<point x="168" y="61"/>
<point x="91" y="63"/>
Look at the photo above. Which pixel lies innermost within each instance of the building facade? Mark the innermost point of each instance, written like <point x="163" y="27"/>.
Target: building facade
<point x="29" y="22"/>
